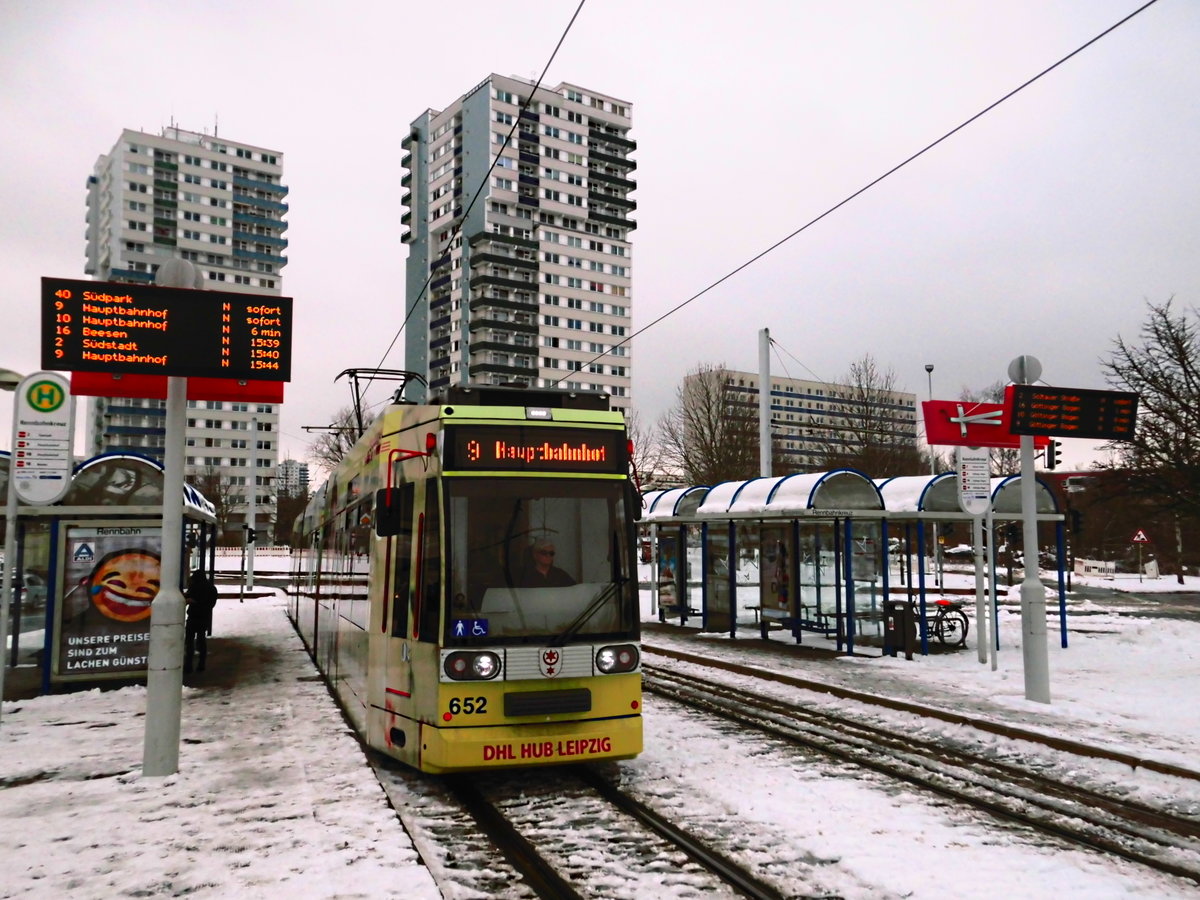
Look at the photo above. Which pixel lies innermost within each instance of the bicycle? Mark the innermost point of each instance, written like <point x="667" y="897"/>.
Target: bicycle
<point x="950" y="624"/>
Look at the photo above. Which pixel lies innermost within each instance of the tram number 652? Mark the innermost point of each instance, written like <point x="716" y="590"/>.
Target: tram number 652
<point x="468" y="705"/>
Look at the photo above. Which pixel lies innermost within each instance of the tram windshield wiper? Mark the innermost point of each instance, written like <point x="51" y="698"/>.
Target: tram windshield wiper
<point x="590" y="610"/>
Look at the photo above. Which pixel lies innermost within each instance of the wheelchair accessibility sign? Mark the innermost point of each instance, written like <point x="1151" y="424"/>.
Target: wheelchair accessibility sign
<point x="470" y="627"/>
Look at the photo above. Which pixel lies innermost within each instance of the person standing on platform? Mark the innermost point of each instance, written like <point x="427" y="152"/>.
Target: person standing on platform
<point x="201" y="598"/>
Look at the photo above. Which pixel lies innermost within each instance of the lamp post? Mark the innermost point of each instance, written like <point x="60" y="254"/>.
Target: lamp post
<point x="8" y="382"/>
<point x="937" y="547"/>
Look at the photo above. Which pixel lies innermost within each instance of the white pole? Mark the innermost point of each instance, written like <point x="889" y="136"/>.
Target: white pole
<point x="764" y="403"/>
<point x="981" y="619"/>
<point x="993" y="614"/>
<point x="164" y="671"/>
<point x="8" y="381"/>
<point x="10" y="562"/>
<point x="1027" y="370"/>
<point x="252" y="507"/>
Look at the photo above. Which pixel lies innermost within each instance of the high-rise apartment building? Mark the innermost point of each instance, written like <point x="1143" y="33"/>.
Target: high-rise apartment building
<point x="814" y="422"/>
<point x="292" y="478"/>
<point x="218" y="204"/>
<point x="519" y="265"/>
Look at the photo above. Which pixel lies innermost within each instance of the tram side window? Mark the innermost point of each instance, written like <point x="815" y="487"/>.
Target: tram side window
<point x="403" y="554"/>
<point x="431" y="566"/>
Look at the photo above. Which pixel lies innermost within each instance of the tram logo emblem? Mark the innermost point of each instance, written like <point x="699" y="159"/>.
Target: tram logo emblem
<point x="549" y="661"/>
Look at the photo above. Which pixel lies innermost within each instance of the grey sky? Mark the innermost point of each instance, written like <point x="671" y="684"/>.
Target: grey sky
<point x="1043" y="228"/>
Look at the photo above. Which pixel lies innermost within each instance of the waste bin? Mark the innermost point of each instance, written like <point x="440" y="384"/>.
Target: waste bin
<point x="899" y="627"/>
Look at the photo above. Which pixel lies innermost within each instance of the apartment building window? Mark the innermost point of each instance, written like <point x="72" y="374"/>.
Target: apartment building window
<point x="138" y="188"/>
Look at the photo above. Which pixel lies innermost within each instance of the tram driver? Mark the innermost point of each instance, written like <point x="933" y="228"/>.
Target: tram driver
<point x="540" y="570"/>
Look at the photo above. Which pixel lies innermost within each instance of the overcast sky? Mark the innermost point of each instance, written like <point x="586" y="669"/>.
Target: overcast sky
<point x="1041" y="229"/>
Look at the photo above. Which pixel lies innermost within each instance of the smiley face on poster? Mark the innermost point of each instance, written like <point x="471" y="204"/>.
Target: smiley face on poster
<point x="124" y="583"/>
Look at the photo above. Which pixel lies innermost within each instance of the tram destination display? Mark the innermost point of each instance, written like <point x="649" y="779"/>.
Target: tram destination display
<point x="1071" y="412"/>
<point x="96" y="326"/>
<point x="535" y="449"/>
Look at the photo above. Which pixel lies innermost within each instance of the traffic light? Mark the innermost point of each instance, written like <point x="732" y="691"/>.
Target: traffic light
<point x="250" y="534"/>
<point x="1053" y="454"/>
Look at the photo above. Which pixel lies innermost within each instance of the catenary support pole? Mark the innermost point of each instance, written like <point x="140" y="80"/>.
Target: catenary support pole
<point x="1027" y="370"/>
<point x="981" y="617"/>
<point x="764" y="403"/>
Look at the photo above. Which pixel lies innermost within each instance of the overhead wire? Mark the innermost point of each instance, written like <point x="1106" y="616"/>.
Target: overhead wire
<point x="866" y="187"/>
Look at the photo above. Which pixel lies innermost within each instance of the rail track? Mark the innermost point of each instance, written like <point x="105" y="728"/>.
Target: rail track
<point x="1157" y="838"/>
<point x="557" y="833"/>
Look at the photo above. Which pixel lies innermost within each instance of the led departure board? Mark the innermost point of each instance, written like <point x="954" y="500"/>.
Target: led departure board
<point x="97" y="326"/>
<point x="534" y="449"/>
<point x="1068" y="412"/>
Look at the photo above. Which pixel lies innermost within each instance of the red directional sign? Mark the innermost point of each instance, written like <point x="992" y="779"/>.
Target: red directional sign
<point x="970" y="424"/>
<point x="1139" y="537"/>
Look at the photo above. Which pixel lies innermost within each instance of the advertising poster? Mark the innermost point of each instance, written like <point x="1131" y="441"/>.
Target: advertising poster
<point x="111" y="576"/>
<point x="777" y="586"/>
<point x="668" y="592"/>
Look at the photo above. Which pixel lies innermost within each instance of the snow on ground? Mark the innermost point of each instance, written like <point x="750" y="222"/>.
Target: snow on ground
<point x="273" y="797"/>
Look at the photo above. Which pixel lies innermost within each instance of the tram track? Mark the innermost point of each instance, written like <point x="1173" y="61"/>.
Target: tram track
<point x="1157" y="838"/>
<point x="556" y="833"/>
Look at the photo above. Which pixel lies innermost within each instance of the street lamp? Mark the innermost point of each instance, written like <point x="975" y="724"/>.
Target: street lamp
<point x="937" y="548"/>
<point x="8" y="382"/>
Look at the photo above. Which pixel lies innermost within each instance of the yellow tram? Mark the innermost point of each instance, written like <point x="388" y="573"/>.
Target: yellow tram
<point x="466" y="582"/>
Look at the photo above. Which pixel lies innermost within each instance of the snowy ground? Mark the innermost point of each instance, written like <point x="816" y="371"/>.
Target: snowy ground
<point x="273" y="799"/>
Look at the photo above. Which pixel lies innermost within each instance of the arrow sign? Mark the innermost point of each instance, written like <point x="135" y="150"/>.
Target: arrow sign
<point x="1139" y="537"/>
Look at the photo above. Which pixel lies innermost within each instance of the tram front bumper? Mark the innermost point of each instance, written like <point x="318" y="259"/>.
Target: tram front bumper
<point x="550" y="743"/>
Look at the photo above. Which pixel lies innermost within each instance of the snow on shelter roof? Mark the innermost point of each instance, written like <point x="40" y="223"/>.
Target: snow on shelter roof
<point x="939" y="493"/>
<point x="675" y="502"/>
<point x="840" y="489"/>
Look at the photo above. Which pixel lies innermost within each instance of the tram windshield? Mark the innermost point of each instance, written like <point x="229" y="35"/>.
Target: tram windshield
<point x="539" y="559"/>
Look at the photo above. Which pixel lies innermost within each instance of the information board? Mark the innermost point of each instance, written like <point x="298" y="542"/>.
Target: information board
<point x="96" y="326"/>
<point x="1069" y="412"/>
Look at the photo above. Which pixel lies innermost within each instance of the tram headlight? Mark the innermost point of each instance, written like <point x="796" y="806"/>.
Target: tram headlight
<point x="472" y="666"/>
<point x="617" y="658"/>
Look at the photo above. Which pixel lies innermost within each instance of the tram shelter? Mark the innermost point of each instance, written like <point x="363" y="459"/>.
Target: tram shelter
<point x="816" y="553"/>
<point x="87" y="568"/>
<point x="795" y="552"/>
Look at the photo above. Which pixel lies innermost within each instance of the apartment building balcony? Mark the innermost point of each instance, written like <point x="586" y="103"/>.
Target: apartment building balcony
<point x="489" y="322"/>
<point x="488" y="368"/>
<point x="594" y="175"/>
<point x="438" y="263"/>
<point x="599" y="137"/>
<point x="488" y="278"/>
<point x="165" y="166"/>
<point x="260" y="202"/>
<point x="509" y="239"/>
<point x="248" y="219"/>
<point x="502" y="259"/>
<point x="612" y="200"/>
<point x="480" y="306"/>
<point x="130" y="275"/>
<point x="253" y="184"/>
<point x="611" y="220"/>
<point x="260" y="257"/>
<point x="166" y="184"/>
<point x="406" y="179"/>
<point x="254" y="238"/>
<point x="610" y="159"/>
<point x="525" y="156"/>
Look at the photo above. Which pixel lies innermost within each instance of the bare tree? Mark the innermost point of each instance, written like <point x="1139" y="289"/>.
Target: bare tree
<point x="287" y="508"/>
<point x="870" y="429"/>
<point x="647" y="452"/>
<point x="219" y="492"/>
<point x="1163" y="459"/>
<point x="335" y="442"/>
<point x="710" y="435"/>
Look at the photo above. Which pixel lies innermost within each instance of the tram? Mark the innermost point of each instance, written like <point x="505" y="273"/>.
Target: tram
<point x="466" y="582"/>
